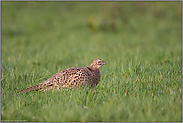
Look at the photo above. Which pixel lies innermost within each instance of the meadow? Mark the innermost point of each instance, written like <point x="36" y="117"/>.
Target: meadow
<point x="141" y="42"/>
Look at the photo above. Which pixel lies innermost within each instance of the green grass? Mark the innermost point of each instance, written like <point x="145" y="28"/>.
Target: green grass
<point x="140" y="42"/>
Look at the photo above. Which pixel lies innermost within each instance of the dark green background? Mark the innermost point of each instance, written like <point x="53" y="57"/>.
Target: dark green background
<point x="140" y="42"/>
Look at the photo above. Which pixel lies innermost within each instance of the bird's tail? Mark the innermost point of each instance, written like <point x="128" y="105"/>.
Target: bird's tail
<point x="33" y="88"/>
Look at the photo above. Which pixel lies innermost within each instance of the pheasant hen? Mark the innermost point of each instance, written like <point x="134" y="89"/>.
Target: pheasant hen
<point x="71" y="77"/>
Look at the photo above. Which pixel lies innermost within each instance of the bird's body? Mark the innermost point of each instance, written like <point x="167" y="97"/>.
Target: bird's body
<point x="71" y="77"/>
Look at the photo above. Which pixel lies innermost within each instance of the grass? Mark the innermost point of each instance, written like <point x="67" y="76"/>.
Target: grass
<point x="139" y="41"/>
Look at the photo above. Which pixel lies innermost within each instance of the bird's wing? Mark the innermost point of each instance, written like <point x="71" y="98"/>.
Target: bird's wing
<point x="66" y="78"/>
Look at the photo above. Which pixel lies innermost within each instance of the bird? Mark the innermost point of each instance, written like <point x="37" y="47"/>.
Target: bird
<point x="71" y="77"/>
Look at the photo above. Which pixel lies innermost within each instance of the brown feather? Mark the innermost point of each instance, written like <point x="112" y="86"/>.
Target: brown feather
<point x="71" y="77"/>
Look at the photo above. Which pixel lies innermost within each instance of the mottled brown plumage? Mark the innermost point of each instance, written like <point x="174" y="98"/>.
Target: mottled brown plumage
<point x="72" y="77"/>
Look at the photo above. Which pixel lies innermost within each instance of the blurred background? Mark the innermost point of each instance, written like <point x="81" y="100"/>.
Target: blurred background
<point x="141" y="42"/>
<point x="76" y="33"/>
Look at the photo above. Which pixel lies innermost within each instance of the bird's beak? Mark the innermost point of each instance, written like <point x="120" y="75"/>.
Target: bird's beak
<point x="104" y="63"/>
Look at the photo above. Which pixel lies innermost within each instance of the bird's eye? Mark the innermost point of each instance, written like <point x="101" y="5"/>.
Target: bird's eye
<point x="99" y="62"/>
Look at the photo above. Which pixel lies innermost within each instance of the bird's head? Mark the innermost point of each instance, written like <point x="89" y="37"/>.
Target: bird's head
<point x="97" y="63"/>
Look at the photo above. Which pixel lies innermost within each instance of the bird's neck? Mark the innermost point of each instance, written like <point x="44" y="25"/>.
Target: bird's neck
<point x="93" y="68"/>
